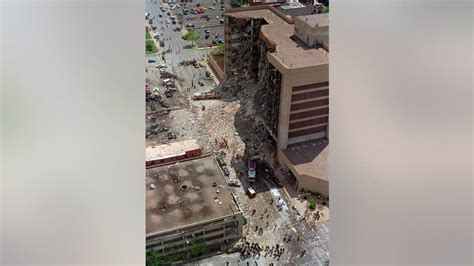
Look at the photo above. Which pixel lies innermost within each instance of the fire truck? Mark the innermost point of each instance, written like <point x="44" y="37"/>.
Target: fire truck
<point x="205" y="96"/>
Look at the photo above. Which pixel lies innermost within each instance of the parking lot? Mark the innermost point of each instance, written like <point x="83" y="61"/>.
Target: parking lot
<point x="206" y="17"/>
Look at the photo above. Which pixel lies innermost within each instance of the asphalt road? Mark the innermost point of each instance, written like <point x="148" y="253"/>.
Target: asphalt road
<point x="173" y="40"/>
<point x="215" y="12"/>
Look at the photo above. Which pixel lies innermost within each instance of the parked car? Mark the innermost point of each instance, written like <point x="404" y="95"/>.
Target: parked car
<point x="221" y="21"/>
<point x="206" y="31"/>
<point x="234" y="184"/>
<point x="225" y="170"/>
<point x="220" y="161"/>
<point x="201" y="83"/>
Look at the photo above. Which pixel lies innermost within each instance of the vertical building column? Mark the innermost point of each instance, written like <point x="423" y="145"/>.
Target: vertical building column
<point x="285" y="104"/>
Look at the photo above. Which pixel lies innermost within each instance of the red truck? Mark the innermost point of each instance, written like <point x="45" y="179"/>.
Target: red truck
<point x="205" y="96"/>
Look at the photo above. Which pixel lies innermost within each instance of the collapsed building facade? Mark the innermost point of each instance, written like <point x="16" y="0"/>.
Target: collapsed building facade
<point x="288" y="62"/>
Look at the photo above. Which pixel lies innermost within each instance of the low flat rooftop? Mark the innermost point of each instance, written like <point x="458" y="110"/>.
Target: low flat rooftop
<point x="315" y="20"/>
<point x="170" y="149"/>
<point x="290" y="51"/>
<point x="310" y="158"/>
<point x="184" y="194"/>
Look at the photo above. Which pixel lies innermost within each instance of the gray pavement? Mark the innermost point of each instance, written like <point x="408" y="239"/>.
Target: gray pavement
<point x="173" y="40"/>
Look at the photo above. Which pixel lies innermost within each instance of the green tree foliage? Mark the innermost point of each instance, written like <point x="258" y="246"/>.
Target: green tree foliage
<point x="153" y="258"/>
<point x="326" y="9"/>
<point x="312" y="204"/>
<point x="192" y="36"/>
<point x="240" y="2"/>
<point x="219" y="50"/>
<point x="198" y="248"/>
<point x="244" y="220"/>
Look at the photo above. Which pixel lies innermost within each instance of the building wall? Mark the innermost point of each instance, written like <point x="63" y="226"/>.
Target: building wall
<point x="188" y="154"/>
<point x="217" y="232"/>
<point x="216" y="69"/>
<point x="304" y="103"/>
<point x="193" y="153"/>
<point x="311" y="35"/>
<point x="312" y="183"/>
<point x="300" y="11"/>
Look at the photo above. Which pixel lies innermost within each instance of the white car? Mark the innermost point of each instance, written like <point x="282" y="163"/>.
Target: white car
<point x="168" y="21"/>
<point x="162" y="66"/>
<point x="212" y="8"/>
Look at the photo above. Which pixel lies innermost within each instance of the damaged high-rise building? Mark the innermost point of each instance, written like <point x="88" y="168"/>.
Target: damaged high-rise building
<point x="288" y="60"/>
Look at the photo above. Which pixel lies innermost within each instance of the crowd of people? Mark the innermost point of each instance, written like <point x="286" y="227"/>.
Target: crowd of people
<point x="250" y="250"/>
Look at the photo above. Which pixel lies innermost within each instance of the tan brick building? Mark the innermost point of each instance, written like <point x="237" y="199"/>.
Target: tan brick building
<point x="290" y="59"/>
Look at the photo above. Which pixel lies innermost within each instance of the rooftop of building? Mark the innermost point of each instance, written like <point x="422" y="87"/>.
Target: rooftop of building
<point x="316" y="20"/>
<point x="310" y="158"/>
<point x="289" y="50"/>
<point x="170" y="149"/>
<point x="184" y="194"/>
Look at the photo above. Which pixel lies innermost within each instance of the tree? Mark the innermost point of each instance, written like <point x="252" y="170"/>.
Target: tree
<point x="153" y="258"/>
<point x="312" y="204"/>
<point x="239" y="2"/>
<point x="198" y="248"/>
<point x="219" y="50"/>
<point x="191" y="36"/>
<point x="326" y="9"/>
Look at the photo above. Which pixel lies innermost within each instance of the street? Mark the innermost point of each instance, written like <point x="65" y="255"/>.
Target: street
<point x="173" y="40"/>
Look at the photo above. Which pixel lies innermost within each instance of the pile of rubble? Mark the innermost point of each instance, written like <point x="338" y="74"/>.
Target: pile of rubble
<point x="155" y="123"/>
